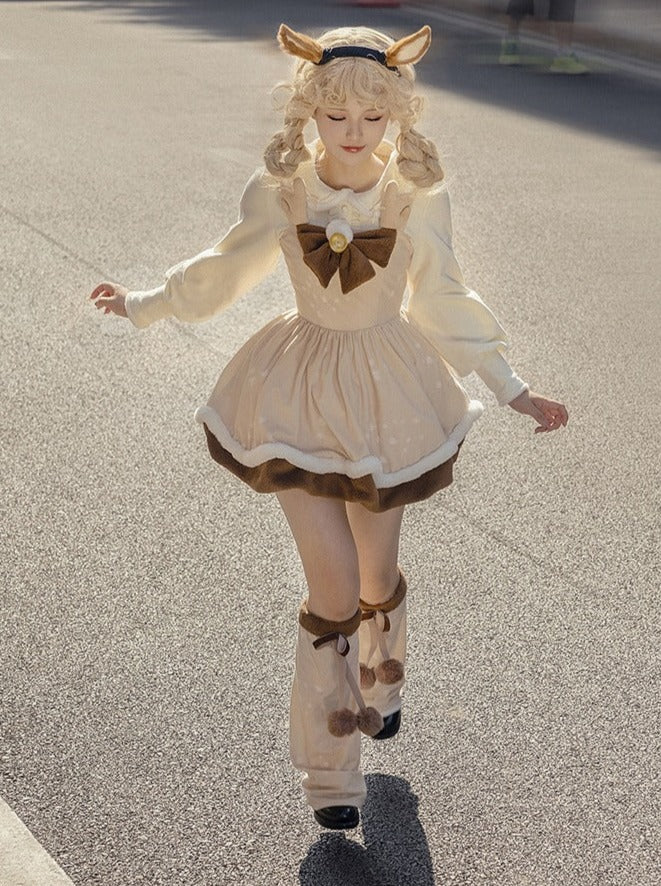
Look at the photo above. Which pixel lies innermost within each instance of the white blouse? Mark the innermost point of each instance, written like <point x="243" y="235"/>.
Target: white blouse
<point x="453" y="317"/>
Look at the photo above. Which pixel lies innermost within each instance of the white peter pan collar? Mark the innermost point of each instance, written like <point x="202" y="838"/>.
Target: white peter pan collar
<point x="344" y="200"/>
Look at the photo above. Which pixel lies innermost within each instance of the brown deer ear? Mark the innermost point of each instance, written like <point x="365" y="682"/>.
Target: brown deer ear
<point x="409" y="50"/>
<point x="299" y="45"/>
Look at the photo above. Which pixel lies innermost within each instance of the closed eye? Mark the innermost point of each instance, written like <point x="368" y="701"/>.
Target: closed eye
<point x="368" y="119"/>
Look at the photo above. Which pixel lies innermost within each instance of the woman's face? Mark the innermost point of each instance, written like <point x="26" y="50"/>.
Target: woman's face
<point x="351" y="133"/>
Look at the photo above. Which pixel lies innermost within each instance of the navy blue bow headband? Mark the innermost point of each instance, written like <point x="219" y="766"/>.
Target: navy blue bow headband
<point x="355" y="52"/>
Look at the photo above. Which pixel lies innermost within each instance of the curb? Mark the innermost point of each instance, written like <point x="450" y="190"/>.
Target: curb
<point x="586" y="36"/>
<point x="495" y="24"/>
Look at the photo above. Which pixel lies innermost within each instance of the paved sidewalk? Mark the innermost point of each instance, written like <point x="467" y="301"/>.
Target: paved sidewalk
<point x="149" y="604"/>
<point x="631" y="30"/>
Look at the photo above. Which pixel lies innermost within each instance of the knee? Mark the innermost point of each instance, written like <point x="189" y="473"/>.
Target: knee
<point x="337" y="597"/>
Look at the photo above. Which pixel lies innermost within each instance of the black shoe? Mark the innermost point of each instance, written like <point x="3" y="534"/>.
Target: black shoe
<point x="391" y="725"/>
<point x="337" y="818"/>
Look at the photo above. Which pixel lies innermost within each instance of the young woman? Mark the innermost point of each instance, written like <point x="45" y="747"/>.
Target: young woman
<point x="349" y="406"/>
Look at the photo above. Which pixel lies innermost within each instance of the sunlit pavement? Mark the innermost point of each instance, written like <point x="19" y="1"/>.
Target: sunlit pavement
<point x="149" y="601"/>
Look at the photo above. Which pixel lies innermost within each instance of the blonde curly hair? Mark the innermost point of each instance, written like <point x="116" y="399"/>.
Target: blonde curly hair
<point x="368" y="82"/>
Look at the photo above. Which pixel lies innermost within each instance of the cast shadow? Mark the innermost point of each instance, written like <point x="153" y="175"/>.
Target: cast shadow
<point x="395" y="853"/>
<point x="607" y="102"/>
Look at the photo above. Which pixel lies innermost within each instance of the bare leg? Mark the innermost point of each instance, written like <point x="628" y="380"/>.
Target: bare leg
<point x="376" y="537"/>
<point x="327" y="752"/>
<point x="509" y="49"/>
<point x="564" y="33"/>
<point x="327" y="549"/>
<point x="565" y="61"/>
<point x="382" y="638"/>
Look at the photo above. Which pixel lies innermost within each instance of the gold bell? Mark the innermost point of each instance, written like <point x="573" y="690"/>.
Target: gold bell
<point x="339" y="234"/>
<point x="338" y="242"/>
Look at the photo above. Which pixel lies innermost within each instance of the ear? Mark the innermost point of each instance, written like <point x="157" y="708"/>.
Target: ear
<point x="299" y="45"/>
<point x="409" y="50"/>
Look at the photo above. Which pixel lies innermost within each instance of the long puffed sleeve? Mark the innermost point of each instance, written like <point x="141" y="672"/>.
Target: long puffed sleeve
<point x="208" y="282"/>
<point x="453" y="317"/>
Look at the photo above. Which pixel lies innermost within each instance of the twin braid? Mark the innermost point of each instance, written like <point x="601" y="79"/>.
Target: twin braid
<point x="418" y="159"/>
<point x="287" y="149"/>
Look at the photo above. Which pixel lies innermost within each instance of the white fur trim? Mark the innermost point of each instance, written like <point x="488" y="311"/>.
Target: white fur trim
<point x="324" y="465"/>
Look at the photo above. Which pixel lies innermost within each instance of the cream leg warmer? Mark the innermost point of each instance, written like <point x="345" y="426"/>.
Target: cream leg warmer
<point x="383" y="651"/>
<point x="328" y="713"/>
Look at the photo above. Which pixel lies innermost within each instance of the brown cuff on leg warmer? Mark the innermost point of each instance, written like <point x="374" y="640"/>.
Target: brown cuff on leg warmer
<point x="318" y="626"/>
<point x="392" y="603"/>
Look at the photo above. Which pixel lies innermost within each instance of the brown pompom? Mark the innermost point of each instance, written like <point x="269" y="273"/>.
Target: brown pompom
<point x="342" y="722"/>
<point x="370" y="721"/>
<point x="390" y="671"/>
<point x="367" y="677"/>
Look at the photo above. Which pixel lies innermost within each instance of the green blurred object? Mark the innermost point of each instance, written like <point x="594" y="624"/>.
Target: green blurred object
<point x="567" y="63"/>
<point x="509" y="53"/>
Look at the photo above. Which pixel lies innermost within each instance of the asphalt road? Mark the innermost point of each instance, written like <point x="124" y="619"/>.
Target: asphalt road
<point x="149" y="600"/>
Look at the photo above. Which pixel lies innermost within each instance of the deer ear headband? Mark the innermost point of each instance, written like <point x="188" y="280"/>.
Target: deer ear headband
<point x="406" y="51"/>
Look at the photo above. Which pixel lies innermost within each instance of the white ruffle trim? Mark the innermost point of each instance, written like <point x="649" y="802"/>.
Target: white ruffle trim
<point x="336" y="465"/>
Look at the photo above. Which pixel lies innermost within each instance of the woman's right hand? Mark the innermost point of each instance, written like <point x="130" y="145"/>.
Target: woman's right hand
<point x="110" y="298"/>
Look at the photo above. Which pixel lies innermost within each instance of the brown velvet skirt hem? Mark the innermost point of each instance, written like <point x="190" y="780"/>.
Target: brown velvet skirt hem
<point x="277" y="474"/>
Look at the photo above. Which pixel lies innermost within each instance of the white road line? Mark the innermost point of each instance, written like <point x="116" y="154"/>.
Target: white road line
<point x="602" y="58"/>
<point x="23" y="860"/>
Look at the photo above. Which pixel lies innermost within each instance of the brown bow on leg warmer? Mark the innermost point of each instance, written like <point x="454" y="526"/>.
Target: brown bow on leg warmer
<point x="383" y="650"/>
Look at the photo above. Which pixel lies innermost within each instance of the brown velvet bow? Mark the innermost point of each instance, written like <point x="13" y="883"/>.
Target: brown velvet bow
<point x="354" y="263"/>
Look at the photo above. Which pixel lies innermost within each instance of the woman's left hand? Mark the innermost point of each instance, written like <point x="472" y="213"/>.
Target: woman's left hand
<point x="549" y="414"/>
